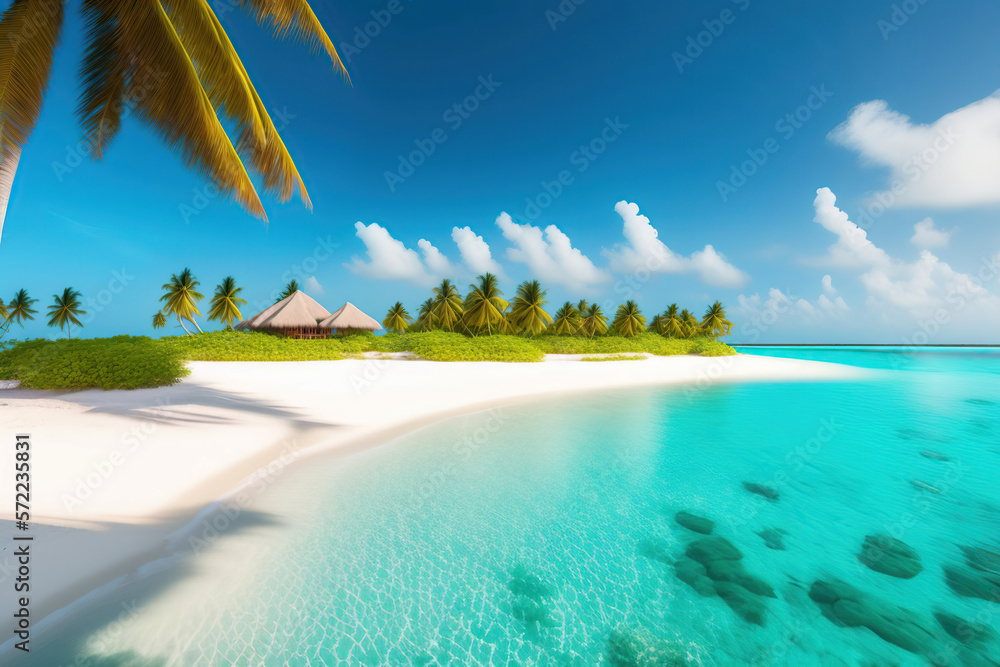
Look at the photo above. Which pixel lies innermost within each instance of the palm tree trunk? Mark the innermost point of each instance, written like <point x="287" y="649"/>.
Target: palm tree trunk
<point x="181" y="322"/>
<point x="8" y="167"/>
<point x="194" y="322"/>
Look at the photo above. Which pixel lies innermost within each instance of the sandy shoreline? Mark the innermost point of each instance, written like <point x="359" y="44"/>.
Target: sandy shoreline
<point x="114" y="474"/>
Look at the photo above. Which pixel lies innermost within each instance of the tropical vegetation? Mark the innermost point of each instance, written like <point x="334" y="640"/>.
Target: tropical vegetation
<point x="171" y="66"/>
<point x="65" y="311"/>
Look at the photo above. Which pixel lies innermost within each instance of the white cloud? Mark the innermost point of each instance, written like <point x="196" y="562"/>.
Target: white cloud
<point x="645" y="250"/>
<point x="952" y="162"/>
<point x="916" y="289"/>
<point x="788" y="308"/>
<point x="390" y="259"/>
<point x="852" y="249"/>
<point x="713" y="269"/>
<point x="551" y="256"/>
<point x="312" y="285"/>
<point x="926" y="236"/>
<point x="436" y="262"/>
<point x="475" y="252"/>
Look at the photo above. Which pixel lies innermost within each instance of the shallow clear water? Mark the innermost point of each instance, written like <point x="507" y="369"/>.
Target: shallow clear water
<point x="528" y="536"/>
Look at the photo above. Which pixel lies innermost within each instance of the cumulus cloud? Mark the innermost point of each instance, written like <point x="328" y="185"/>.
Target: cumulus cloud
<point x="852" y="249"/>
<point x="312" y="285"/>
<point x="475" y="251"/>
<point x="390" y="259"/>
<point x="643" y="249"/>
<point x="550" y="255"/>
<point x="925" y="235"/>
<point x="436" y="262"/>
<point x="952" y="162"/>
<point x="779" y="306"/>
<point x="915" y="289"/>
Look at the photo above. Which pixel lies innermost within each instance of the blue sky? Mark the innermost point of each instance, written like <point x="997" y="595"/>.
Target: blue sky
<point x="669" y="127"/>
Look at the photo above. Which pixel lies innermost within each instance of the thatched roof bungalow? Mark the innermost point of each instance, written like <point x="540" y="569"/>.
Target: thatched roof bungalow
<point x="295" y="316"/>
<point x="350" y="318"/>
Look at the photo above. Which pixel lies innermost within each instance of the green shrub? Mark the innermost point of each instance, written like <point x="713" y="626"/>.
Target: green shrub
<point x="707" y="347"/>
<point x="442" y="346"/>
<point x="253" y="346"/>
<point x="122" y="362"/>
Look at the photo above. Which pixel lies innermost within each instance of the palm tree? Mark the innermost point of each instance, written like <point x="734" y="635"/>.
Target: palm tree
<point x="673" y="325"/>
<point x="527" y="312"/>
<point x="582" y="307"/>
<point x="566" y="320"/>
<point x="291" y="288"/>
<point x="18" y="309"/>
<point x="397" y="319"/>
<point x="171" y="65"/>
<point x="691" y="325"/>
<point x="65" y="310"/>
<point x="225" y="305"/>
<point x="425" y="316"/>
<point x="447" y="305"/>
<point x="714" y="323"/>
<point x="159" y="320"/>
<point x="594" y="322"/>
<point x="484" y="305"/>
<point x="628" y="320"/>
<point x="182" y="297"/>
<point x="3" y="310"/>
<point x="658" y="324"/>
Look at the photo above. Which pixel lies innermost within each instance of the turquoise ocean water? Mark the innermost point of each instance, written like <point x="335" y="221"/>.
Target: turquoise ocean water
<point x="545" y="534"/>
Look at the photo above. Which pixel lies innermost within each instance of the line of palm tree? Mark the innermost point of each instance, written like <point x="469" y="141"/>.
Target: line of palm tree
<point x="19" y="310"/>
<point x="65" y="310"/>
<point x="629" y="321"/>
<point x="182" y="297"/>
<point x="225" y="303"/>
<point x="425" y="316"/>
<point x="566" y="321"/>
<point x="171" y="65"/>
<point x="692" y="327"/>
<point x="484" y="305"/>
<point x="527" y="312"/>
<point x="397" y="319"/>
<point x="673" y="325"/>
<point x="447" y="305"/>
<point x="594" y="322"/>
<point x="714" y="323"/>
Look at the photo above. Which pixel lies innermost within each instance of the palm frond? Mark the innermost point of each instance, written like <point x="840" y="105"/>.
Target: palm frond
<point x="165" y="92"/>
<point x="295" y="18"/>
<point x="29" y="34"/>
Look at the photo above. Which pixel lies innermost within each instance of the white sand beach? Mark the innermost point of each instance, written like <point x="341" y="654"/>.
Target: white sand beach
<point x="114" y="474"/>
